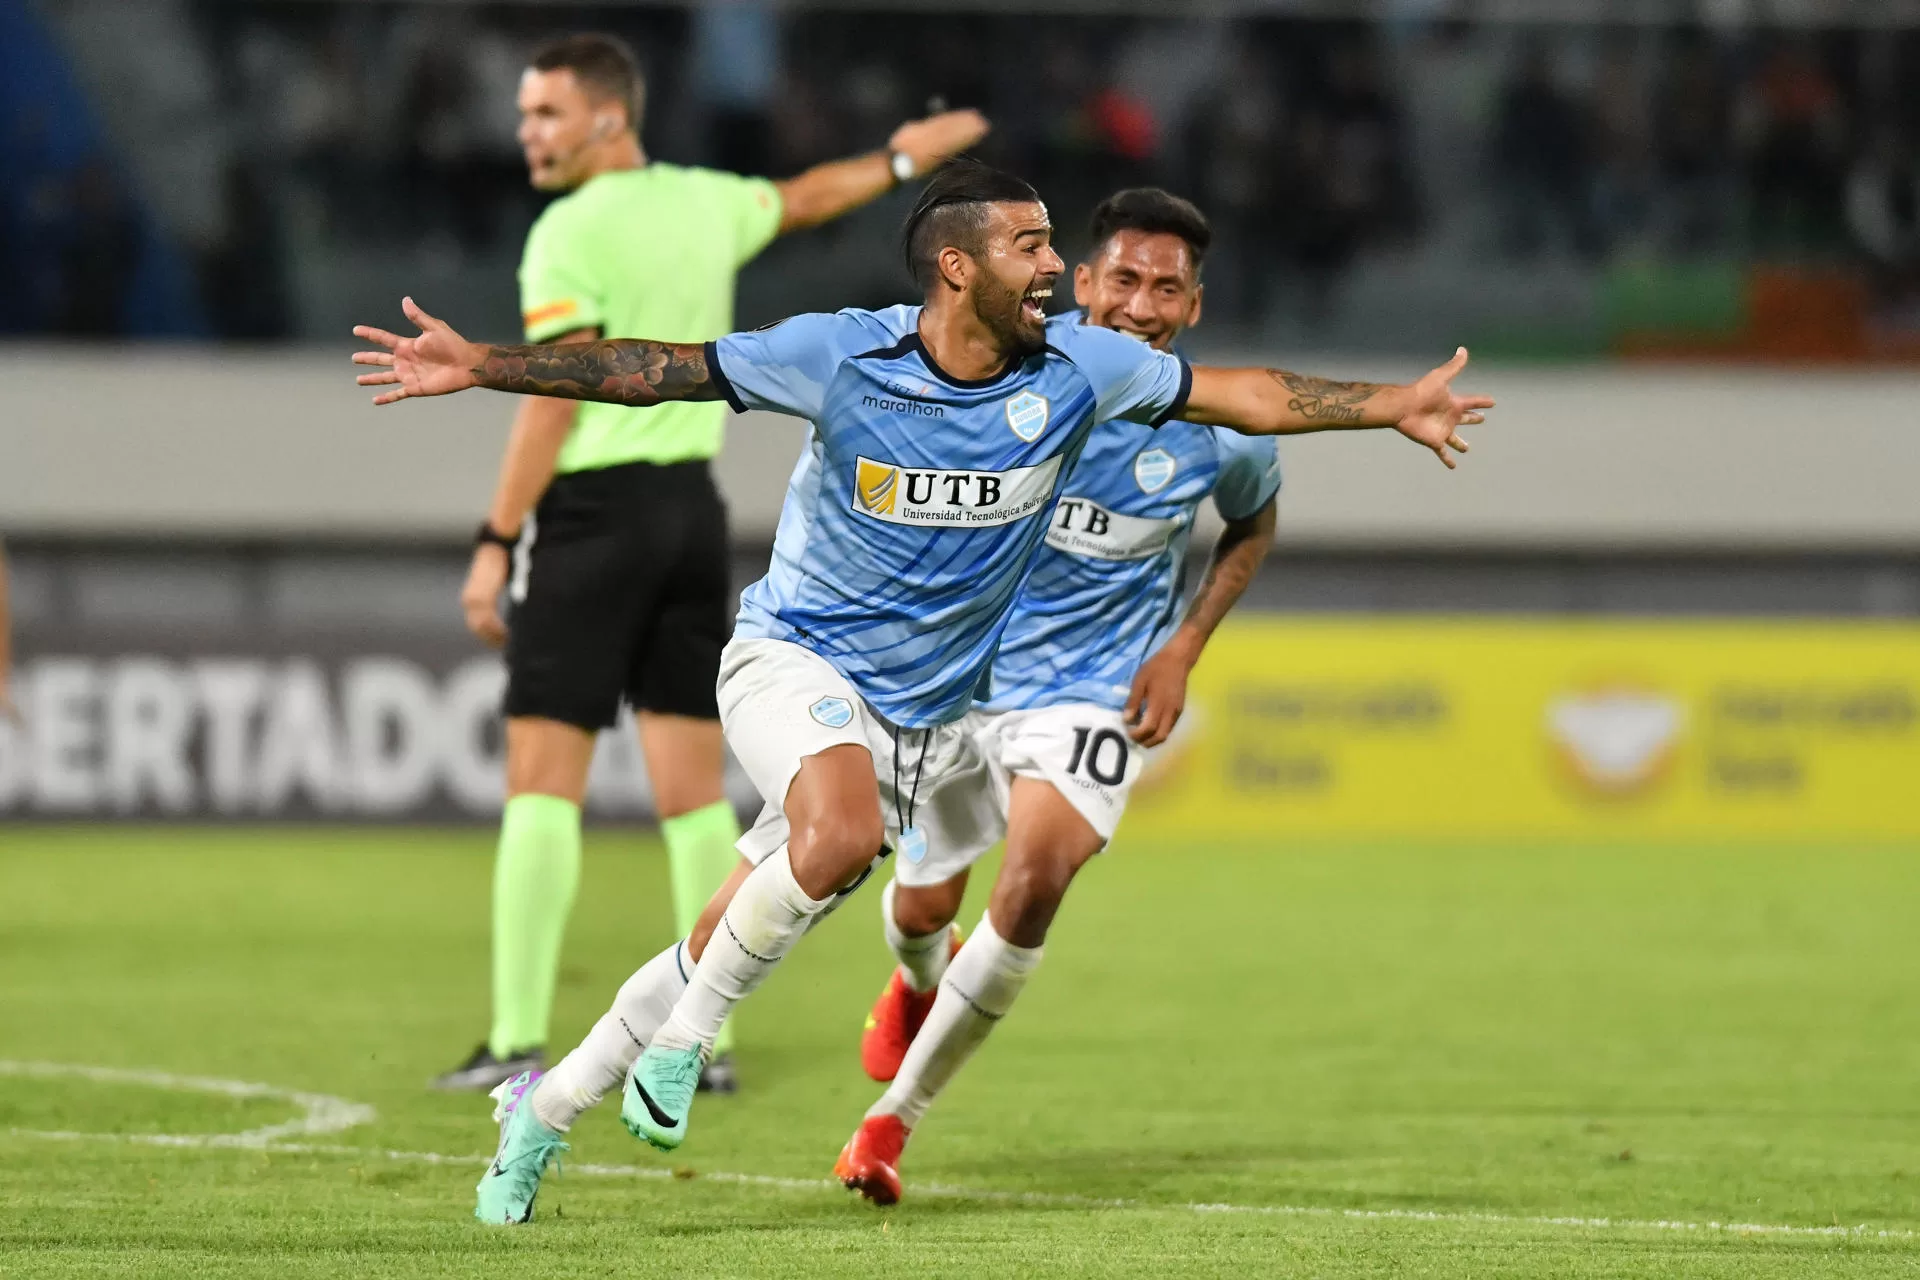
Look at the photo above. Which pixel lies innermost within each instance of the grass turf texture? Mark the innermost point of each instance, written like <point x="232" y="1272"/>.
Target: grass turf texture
<point x="1618" y="1032"/>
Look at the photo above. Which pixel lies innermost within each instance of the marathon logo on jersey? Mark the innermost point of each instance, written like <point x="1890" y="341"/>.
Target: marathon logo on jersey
<point x="1086" y="528"/>
<point x="953" y="499"/>
<point x="905" y="401"/>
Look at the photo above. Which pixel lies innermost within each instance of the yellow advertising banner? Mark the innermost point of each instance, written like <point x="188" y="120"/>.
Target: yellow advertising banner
<point x="1446" y="726"/>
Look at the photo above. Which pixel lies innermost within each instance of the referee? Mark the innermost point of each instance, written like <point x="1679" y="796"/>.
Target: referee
<point x="606" y="532"/>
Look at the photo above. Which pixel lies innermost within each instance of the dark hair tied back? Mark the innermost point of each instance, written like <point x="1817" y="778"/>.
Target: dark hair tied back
<point x="952" y="210"/>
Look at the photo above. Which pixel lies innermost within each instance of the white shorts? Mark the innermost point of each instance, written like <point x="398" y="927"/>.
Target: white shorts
<point x="781" y="702"/>
<point x="1080" y="750"/>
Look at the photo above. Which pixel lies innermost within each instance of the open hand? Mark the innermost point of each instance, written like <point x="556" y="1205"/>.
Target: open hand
<point x="936" y="139"/>
<point x="1434" y="413"/>
<point x="437" y="363"/>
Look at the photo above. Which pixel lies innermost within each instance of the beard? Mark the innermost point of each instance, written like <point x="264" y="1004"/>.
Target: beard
<point x="999" y="310"/>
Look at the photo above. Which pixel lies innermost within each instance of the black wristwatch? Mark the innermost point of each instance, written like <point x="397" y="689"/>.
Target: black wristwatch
<point x="487" y="534"/>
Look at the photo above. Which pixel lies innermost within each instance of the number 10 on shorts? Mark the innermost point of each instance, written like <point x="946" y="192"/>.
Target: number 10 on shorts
<point x="1102" y="752"/>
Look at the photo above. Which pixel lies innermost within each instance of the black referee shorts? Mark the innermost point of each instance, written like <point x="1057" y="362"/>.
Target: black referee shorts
<point x="620" y="590"/>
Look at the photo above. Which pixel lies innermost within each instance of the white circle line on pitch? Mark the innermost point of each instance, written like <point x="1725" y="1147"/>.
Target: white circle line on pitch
<point x="1037" y="1199"/>
<point x="320" y="1113"/>
<point x="324" y="1114"/>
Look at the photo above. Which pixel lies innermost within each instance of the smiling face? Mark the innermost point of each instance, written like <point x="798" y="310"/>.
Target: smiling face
<point x="1013" y="276"/>
<point x="1144" y="284"/>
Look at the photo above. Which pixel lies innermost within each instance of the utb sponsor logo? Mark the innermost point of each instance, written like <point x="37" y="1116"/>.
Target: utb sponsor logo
<point x="1084" y="527"/>
<point x="926" y="496"/>
<point x="875" y="486"/>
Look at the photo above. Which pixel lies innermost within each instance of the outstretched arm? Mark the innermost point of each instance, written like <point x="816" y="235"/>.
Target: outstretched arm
<point x="1159" y="692"/>
<point x="631" y="371"/>
<point x="826" y="191"/>
<point x="1275" y="401"/>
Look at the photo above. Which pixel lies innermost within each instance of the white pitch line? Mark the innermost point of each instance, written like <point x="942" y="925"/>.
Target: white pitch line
<point x="1037" y="1199"/>
<point x="320" y="1112"/>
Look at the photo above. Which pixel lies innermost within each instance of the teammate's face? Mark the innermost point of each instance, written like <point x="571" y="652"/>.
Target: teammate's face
<point x="1015" y="277"/>
<point x="559" y="126"/>
<point x="1142" y="283"/>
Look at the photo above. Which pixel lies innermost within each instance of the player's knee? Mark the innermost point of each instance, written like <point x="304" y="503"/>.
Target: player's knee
<point x="828" y="850"/>
<point x="842" y="836"/>
<point x="919" y="913"/>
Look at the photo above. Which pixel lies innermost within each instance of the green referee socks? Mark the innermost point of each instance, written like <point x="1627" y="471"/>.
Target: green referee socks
<point x="701" y="855"/>
<point x="535" y="875"/>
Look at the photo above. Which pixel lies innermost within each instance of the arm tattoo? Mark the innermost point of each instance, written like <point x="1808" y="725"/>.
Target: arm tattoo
<point x="1203" y="611"/>
<point x="1242" y="546"/>
<point x="632" y="371"/>
<point x="1321" y="400"/>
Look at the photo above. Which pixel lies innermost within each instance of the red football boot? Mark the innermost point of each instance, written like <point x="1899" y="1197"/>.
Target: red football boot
<point x="893" y="1022"/>
<point x="870" y="1161"/>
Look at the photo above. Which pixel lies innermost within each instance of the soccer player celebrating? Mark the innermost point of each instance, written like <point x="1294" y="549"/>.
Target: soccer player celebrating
<point x="1072" y="682"/>
<point x="939" y="435"/>
<point x="606" y="518"/>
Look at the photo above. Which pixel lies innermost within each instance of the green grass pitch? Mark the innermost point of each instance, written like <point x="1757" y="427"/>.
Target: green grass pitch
<point x="1470" y="1041"/>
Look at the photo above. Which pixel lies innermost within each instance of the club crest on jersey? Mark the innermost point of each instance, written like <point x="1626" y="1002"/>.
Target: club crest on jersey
<point x="913" y="844"/>
<point x="1153" y="469"/>
<point x="875" y="486"/>
<point x="832" y="712"/>
<point x="1027" y="414"/>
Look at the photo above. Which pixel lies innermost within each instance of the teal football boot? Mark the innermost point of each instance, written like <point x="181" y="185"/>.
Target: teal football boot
<point x="511" y="1182"/>
<point x="659" y="1092"/>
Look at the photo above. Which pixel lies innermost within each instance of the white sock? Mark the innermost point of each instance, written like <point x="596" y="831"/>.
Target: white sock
<point x="980" y="986"/>
<point x="922" y="959"/>
<point x="768" y="914"/>
<point x="594" y="1069"/>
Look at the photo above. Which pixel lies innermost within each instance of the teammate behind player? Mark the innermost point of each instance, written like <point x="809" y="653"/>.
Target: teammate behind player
<point x="618" y="538"/>
<point x="1094" y="654"/>
<point x="898" y="559"/>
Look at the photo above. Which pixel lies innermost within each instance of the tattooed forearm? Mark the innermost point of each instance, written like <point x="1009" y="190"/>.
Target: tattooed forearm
<point x="1237" y="555"/>
<point x="1322" y="400"/>
<point x="1204" y="611"/>
<point x="633" y="371"/>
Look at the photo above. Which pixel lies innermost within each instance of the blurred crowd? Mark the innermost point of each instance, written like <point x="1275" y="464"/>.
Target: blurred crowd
<point x="1315" y="145"/>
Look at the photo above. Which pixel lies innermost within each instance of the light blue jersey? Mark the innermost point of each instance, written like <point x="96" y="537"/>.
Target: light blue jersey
<point x="1105" y="591"/>
<point x="915" y="510"/>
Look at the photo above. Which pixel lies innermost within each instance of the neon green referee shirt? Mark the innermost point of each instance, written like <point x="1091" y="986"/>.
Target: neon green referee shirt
<point x="644" y="253"/>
